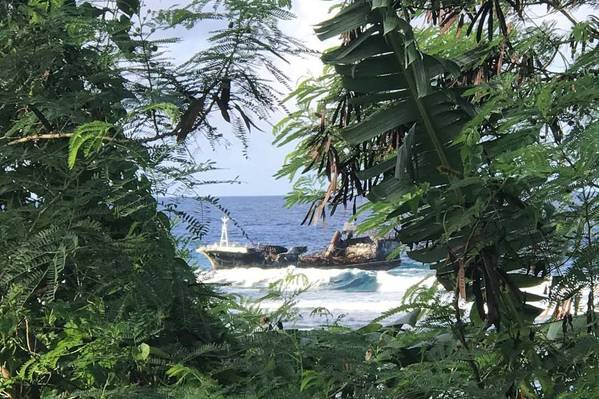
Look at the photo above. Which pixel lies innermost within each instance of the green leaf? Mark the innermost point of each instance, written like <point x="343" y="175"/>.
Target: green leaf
<point x="370" y="67"/>
<point x="409" y="318"/>
<point x="390" y="24"/>
<point x="351" y="17"/>
<point x="141" y="352"/>
<point x="310" y="378"/>
<point x="381" y="122"/>
<point x="378" y="169"/>
<point x="370" y="328"/>
<point x="429" y="255"/>
<point x="172" y="111"/>
<point x="378" y="98"/>
<point x="129" y="7"/>
<point x="373" y="45"/>
<point x="90" y="137"/>
<point x="388" y="190"/>
<point x="392" y="84"/>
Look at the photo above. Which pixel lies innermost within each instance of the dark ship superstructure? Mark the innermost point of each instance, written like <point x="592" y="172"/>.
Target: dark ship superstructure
<point x="344" y="251"/>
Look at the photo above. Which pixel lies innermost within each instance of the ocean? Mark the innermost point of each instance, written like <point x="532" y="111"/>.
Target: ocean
<point x="351" y="297"/>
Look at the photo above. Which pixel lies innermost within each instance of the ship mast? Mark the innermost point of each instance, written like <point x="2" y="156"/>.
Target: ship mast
<point x="224" y="233"/>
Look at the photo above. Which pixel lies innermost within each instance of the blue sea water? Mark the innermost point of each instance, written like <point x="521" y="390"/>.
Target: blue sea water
<point x="354" y="296"/>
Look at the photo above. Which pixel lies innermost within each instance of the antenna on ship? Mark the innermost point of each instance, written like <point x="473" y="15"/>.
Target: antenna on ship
<point x="224" y="233"/>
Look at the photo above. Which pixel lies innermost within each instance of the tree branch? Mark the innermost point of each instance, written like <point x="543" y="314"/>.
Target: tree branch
<point x="48" y="136"/>
<point x="37" y="137"/>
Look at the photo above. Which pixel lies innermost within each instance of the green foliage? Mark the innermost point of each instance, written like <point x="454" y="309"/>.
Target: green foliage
<point x="229" y="77"/>
<point x="95" y="299"/>
<point x="480" y="155"/>
<point x="90" y="137"/>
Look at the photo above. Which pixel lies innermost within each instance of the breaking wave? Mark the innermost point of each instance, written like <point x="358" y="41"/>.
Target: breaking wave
<point x="397" y="280"/>
<point x="358" y="296"/>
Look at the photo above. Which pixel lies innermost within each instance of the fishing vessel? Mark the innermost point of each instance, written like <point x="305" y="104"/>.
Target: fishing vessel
<point x="343" y="252"/>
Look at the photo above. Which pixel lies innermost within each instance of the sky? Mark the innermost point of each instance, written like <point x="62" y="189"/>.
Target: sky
<point x="254" y="173"/>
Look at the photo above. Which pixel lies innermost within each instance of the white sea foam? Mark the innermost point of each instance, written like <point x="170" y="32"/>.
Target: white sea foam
<point x="358" y="294"/>
<point x="353" y="280"/>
